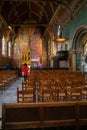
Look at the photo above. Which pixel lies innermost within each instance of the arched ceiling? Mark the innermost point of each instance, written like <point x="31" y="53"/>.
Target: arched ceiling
<point x="44" y="14"/>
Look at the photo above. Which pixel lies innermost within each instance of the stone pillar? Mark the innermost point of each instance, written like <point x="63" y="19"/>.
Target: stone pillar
<point x="73" y="61"/>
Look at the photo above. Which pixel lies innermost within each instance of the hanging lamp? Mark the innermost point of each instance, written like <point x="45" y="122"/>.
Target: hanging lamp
<point x="58" y="37"/>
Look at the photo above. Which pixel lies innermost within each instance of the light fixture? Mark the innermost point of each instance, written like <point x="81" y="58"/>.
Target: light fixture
<point x="58" y="38"/>
<point x="10" y="28"/>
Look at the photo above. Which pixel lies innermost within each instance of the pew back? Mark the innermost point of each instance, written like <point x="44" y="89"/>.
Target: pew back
<point x="82" y="113"/>
<point x="38" y="115"/>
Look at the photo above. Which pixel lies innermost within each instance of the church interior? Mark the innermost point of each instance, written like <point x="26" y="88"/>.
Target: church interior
<point x="50" y="37"/>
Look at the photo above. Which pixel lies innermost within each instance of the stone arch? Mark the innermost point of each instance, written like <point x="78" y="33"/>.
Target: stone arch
<point x="77" y="39"/>
<point x="78" y="45"/>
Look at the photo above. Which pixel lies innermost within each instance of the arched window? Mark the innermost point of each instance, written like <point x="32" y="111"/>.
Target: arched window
<point x="53" y="47"/>
<point x="4" y="46"/>
<point x="9" y="49"/>
<point x="49" y="47"/>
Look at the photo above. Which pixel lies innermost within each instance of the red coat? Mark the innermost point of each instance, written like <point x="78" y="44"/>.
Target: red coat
<point x="25" y="70"/>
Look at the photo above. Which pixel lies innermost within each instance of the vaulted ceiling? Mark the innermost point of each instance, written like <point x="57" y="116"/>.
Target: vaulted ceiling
<point x="44" y="14"/>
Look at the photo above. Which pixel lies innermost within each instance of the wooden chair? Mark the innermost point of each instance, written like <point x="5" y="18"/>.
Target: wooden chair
<point x="84" y="94"/>
<point x="74" y="94"/>
<point x="25" y="96"/>
<point x="60" y="85"/>
<point x="49" y="95"/>
<point x="43" y="84"/>
<point x="28" y="85"/>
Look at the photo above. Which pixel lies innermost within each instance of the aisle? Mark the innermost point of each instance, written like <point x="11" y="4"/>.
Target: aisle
<point x="10" y="96"/>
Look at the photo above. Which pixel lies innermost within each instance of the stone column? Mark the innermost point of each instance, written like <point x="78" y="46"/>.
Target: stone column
<point x="73" y="61"/>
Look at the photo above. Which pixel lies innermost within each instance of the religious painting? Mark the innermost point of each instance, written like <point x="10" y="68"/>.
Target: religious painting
<point x="36" y="47"/>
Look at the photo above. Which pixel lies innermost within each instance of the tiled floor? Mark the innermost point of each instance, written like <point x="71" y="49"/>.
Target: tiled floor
<point x="9" y="95"/>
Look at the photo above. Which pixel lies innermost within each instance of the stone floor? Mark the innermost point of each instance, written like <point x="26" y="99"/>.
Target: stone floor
<point x="9" y="95"/>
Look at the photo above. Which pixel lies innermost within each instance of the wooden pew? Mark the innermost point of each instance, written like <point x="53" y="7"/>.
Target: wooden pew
<point x="38" y="115"/>
<point x="82" y="113"/>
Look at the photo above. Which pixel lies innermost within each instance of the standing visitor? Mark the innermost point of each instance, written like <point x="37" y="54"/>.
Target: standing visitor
<point x="25" y="71"/>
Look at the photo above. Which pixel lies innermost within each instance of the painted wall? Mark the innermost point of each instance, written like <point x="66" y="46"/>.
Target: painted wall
<point x="28" y="47"/>
<point x="74" y="24"/>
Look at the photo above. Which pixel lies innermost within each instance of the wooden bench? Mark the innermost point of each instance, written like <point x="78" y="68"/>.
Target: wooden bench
<point x="82" y="113"/>
<point x="38" y="115"/>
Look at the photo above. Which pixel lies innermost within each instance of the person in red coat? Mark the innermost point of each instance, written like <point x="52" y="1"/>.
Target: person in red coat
<point x="25" y="71"/>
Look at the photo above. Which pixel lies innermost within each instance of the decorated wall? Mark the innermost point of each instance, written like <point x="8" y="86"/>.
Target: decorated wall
<point x="28" y="47"/>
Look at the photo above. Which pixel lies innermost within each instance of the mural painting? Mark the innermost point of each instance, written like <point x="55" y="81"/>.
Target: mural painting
<point x="28" y="47"/>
